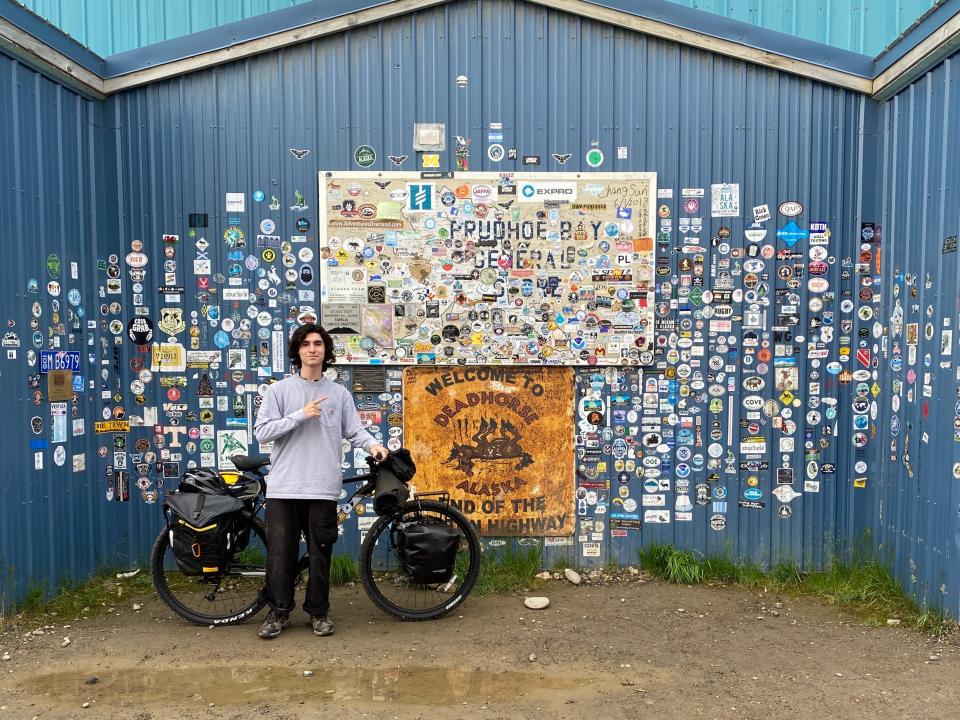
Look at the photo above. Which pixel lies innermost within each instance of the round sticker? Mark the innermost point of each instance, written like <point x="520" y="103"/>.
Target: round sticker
<point x="594" y="157"/>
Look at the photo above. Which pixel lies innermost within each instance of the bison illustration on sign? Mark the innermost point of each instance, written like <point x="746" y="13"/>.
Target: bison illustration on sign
<point x="504" y="447"/>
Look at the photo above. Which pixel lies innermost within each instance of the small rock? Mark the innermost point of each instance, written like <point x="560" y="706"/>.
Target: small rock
<point x="85" y="705"/>
<point x="91" y="680"/>
<point x="533" y="657"/>
<point x="572" y="575"/>
<point x="536" y="603"/>
<point x="778" y="605"/>
<point x="934" y="658"/>
<point x="137" y="606"/>
<point x="775" y="613"/>
<point x="545" y="575"/>
<point x="627" y="683"/>
<point x="6" y="656"/>
<point x="681" y="610"/>
<point x="839" y="674"/>
<point x="308" y="673"/>
<point x="66" y="641"/>
<point x="634" y="571"/>
<point x="38" y="631"/>
<point x="893" y="622"/>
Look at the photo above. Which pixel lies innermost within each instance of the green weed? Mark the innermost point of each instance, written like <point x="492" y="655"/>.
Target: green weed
<point x="864" y="587"/>
<point x="343" y="569"/>
<point x="507" y="572"/>
<point x="74" y="600"/>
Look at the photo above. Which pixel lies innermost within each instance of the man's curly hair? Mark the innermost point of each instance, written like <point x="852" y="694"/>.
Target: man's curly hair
<point x="300" y="334"/>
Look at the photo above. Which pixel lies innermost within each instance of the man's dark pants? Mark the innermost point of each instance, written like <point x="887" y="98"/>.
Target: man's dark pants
<point x="285" y="520"/>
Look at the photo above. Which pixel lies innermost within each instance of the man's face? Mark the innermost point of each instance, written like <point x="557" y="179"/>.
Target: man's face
<point x="311" y="351"/>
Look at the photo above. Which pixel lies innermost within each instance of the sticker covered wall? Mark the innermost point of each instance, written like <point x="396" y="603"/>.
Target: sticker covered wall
<point x="488" y="268"/>
<point x="733" y="435"/>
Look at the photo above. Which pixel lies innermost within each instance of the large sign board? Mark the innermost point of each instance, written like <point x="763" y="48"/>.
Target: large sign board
<point x="488" y="268"/>
<point x="499" y="440"/>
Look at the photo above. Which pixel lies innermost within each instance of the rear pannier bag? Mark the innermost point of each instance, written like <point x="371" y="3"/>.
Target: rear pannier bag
<point x="201" y="531"/>
<point x="428" y="550"/>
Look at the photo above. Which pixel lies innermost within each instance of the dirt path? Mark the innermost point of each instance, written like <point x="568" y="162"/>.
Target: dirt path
<point x="629" y="649"/>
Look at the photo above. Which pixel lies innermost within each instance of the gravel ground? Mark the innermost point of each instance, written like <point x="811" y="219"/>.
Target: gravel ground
<point x="615" y="646"/>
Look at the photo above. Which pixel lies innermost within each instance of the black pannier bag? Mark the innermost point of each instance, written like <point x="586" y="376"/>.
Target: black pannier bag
<point x="201" y="530"/>
<point x="393" y="474"/>
<point x="427" y="549"/>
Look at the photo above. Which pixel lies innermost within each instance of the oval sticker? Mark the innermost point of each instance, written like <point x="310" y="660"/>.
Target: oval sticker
<point x="790" y="208"/>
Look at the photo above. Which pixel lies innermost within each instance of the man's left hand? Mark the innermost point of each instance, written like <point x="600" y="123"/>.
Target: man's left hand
<point x="379" y="452"/>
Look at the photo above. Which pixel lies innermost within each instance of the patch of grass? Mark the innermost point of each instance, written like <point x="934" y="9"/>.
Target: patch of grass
<point x="677" y="566"/>
<point x="720" y="569"/>
<point x="343" y="569"/>
<point x="683" y="568"/>
<point x="653" y="559"/>
<point x="866" y="588"/>
<point x="507" y="572"/>
<point x="73" y="600"/>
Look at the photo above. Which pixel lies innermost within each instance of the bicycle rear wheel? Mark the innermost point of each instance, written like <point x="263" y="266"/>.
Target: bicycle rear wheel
<point x="386" y="581"/>
<point x="226" y="599"/>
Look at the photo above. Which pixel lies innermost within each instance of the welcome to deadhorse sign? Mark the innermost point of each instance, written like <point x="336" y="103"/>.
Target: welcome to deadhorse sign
<point x="499" y="440"/>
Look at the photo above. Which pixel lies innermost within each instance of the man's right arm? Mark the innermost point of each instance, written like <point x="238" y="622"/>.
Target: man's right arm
<point x="271" y="422"/>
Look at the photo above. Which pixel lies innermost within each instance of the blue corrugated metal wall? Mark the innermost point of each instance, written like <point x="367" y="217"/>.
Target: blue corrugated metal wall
<point x="864" y="26"/>
<point x="114" y="26"/>
<point x="917" y="510"/>
<point x="176" y="147"/>
<point x="57" y="209"/>
<point x="692" y="117"/>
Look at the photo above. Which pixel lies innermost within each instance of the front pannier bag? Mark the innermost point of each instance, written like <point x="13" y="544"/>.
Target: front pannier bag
<point x="201" y="530"/>
<point x="428" y="550"/>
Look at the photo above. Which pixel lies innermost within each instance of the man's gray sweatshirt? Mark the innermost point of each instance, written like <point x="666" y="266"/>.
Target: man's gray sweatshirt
<point x="307" y="452"/>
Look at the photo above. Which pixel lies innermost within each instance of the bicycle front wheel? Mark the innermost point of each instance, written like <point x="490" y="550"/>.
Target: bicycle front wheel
<point x="387" y="582"/>
<point x="225" y="599"/>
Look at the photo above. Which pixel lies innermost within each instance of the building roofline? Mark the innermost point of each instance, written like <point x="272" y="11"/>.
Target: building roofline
<point x="38" y="43"/>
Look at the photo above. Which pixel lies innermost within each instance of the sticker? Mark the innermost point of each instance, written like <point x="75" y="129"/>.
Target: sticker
<point x="790" y="208"/>
<point x="594" y="157"/>
<point x="365" y="156"/>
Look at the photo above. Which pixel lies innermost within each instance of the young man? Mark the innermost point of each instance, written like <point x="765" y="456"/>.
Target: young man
<point x="307" y="417"/>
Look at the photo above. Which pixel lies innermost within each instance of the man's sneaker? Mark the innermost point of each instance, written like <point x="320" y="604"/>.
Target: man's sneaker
<point x="322" y="626"/>
<point x="274" y="625"/>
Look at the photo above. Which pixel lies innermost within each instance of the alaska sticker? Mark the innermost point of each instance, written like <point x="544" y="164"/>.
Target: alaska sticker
<point x="365" y="156"/>
<point x="725" y="200"/>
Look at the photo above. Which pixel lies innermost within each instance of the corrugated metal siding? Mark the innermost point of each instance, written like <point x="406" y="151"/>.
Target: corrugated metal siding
<point x="556" y="83"/>
<point x="57" y="200"/>
<point x="113" y="26"/>
<point x="917" y="519"/>
<point x="864" y="26"/>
